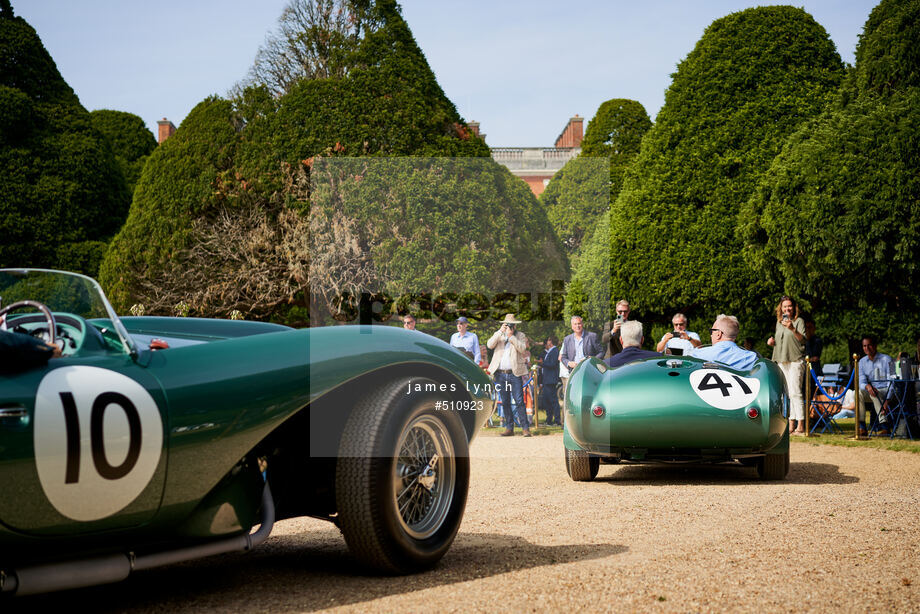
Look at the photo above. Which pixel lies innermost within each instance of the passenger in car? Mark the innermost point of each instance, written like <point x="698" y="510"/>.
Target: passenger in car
<point x="631" y="338"/>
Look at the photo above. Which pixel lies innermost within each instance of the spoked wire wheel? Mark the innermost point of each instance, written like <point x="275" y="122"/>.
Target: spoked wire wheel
<point x="402" y="478"/>
<point x="424" y="476"/>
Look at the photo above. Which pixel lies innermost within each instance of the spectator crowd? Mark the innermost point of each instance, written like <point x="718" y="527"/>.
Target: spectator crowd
<point x="796" y="349"/>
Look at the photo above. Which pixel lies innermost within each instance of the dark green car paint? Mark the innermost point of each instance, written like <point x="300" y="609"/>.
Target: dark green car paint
<point x="651" y="411"/>
<point x="218" y="400"/>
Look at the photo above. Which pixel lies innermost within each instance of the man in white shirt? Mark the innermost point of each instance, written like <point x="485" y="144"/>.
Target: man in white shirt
<point x="875" y="369"/>
<point x="680" y="338"/>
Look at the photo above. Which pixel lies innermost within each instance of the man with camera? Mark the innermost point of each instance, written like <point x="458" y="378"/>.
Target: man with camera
<point x="680" y="340"/>
<point x="509" y="364"/>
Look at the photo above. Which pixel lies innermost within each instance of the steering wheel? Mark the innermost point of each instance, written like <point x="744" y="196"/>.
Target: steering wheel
<point x="49" y="317"/>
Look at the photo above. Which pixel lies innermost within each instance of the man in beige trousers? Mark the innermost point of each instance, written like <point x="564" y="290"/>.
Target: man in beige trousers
<point x="508" y="365"/>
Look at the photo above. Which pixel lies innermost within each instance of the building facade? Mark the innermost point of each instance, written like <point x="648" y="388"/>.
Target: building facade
<point x="537" y="165"/>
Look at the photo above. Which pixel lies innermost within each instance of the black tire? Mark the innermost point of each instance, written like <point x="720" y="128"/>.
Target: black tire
<point x="392" y="520"/>
<point x="581" y="466"/>
<point x="773" y="466"/>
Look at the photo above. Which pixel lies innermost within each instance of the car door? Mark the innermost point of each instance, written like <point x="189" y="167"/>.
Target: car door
<point x="82" y="446"/>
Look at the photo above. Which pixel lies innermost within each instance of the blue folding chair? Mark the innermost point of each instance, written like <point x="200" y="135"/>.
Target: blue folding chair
<point x="902" y="413"/>
<point x="823" y="407"/>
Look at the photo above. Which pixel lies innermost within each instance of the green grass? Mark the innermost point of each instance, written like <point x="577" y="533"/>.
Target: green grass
<point x="847" y="439"/>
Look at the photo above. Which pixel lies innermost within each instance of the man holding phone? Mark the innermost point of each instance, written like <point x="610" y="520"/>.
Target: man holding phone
<point x="611" y="336"/>
<point x="681" y="340"/>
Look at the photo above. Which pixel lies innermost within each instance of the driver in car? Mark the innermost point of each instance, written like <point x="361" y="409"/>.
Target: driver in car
<point x="18" y="351"/>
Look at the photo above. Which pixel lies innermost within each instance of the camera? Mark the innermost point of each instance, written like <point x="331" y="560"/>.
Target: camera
<point x="677" y="333"/>
<point x="785" y="316"/>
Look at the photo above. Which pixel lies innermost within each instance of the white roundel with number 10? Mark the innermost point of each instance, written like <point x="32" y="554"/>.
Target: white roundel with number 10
<point x="724" y="390"/>
<point x="98" y="440"/>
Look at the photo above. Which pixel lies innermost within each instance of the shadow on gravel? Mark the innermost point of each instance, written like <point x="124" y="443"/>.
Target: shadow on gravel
<point x="645" y="475"/>
<point x="302" y="573"/>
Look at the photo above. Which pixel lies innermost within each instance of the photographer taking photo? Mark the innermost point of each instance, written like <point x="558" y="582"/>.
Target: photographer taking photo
<point x="509" y="364"/>
<point x="680" y="340"/>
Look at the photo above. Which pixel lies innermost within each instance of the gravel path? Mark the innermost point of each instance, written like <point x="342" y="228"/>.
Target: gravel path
<point x="842" y="533"/>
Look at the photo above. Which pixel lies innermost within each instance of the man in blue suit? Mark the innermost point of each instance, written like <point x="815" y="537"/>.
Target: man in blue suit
<point x="578" y="346"/>
<point x="549" y="379"/>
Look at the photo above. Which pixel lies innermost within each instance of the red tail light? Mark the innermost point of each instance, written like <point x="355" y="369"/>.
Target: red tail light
<point x="598" y="411"/>
<point x="752" y="412"/>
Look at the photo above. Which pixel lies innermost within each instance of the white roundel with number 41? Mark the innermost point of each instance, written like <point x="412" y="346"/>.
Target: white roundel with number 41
<point x="724" y="390"/>
<point x="98" y="440"/>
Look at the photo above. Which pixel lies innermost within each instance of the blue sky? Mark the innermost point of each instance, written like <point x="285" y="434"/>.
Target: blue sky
<point x="521" y="69"/>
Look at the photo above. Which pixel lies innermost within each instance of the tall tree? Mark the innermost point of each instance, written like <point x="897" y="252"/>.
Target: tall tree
<point x="750" y="81"/>
<point x="314" y="40"/>
<point x="836" y="220"/>
<point x="228" y="212"/>
<point x="130" y="139"/>
<point x="62" y="194"/>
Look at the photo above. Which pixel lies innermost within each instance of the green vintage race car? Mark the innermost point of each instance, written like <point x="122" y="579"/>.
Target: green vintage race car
<point x="157" y="440"/>
<point x="676" y="410"/>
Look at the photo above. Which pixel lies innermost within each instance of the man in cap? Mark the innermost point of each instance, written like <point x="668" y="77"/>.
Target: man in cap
<point x="508" y="365"/>
<point x="465" y="340"/>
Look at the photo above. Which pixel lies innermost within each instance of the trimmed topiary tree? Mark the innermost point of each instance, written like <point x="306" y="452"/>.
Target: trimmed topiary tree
<point x="615" y="132"/>
<point x="576" y="197"/>
<point x="751" y="80"/>
<point x="130" y="139"/>
<point x="582" y="189"/>
<point x="836" y="220"/>
<point x="888" y="54"/>
<point x="62" y="194"/>
<point x="188" y="176"/>
<point x="225" y="209"/>
<point x="578" y="202"/>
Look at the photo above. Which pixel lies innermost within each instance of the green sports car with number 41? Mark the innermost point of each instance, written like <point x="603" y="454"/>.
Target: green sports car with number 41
<point x="157" y="440"/>
<point x="674" y="409"/>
